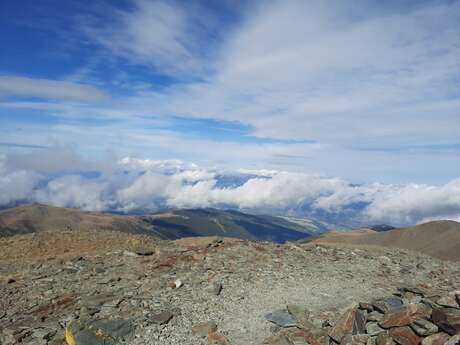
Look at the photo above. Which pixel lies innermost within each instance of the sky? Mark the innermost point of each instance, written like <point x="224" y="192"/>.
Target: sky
<point x="349" y="108"/>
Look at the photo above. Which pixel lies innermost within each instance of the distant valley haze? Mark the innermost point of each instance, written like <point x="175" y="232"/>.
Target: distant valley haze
<point x="341" y="113"/>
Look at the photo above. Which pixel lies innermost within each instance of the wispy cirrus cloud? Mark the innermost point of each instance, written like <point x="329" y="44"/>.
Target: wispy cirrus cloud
<point x="49" y="89"/>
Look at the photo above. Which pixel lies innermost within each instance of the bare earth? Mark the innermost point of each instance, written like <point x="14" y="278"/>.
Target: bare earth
<point x="44" y="289"/>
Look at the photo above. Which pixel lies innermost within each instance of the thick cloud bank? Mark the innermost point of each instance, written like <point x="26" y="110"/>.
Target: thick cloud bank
<point x="135" y="185"/>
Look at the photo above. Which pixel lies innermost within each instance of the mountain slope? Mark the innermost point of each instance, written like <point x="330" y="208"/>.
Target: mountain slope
<point x="440" y="239"/>
<point x="212" y="222"/>
<point x="38" y="218"/>
<point x="173" y="224"/>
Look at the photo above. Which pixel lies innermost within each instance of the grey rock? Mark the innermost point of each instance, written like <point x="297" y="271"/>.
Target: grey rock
<point x="374" y="316"/>
<point x="216" y="289"/>
<point x="204" y="328"/>
<point x="455" y="340"/>
<point x="424" y="327"/>
<point x="372" y="328"/>
<point x="448" y="301"/>
<point x="161" y="318"/>
<point x="281" y="318"/>
<point x="389" y="303"/>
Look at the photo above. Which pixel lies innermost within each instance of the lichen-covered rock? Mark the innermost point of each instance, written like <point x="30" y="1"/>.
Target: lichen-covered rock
<point x="98" y="332"/>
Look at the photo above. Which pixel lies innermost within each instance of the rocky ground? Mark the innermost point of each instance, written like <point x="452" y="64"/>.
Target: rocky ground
<point x="223" y="291"/>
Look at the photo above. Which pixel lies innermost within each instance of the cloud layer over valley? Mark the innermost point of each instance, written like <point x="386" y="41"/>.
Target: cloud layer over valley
<point x="133" y="185"/>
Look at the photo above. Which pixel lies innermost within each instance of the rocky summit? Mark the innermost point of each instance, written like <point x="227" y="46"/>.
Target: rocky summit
<point x="212" y="290"/>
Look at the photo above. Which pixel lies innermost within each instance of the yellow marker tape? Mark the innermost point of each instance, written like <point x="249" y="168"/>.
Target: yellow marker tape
<point x="69" y="337"/>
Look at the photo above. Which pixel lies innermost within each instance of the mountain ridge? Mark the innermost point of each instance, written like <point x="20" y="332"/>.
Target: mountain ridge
<point x="171" y="224"/>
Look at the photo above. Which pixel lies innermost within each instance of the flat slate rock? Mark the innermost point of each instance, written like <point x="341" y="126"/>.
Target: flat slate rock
<point x="447" y="319"/>
<point x="353" y="321"/>
<point x="281" y="318"/>
<point x="424" y="327"/>
<point x="404" y="336"/>
<point x="396" y="318"/>
<point x="436" y="339"/>
<point x="384" y="305"/>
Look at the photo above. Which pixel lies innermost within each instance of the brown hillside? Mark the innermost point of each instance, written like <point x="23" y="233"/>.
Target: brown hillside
<point x="440" y="239"/>
<point x="37" y="218"/>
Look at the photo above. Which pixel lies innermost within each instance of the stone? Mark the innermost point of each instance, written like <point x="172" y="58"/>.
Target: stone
<point x="436" y="339"/>
<point x="176" y="284"/>
<point x="217" y="338"/>
<point x="372" y="328"/>
<point x="371" y="341"/>
<point x="98" y="332"/>
<point x="421" y="311"/>
<point x="204" y="328"/>
<point x="281" y="318"/>
<point x="447" y="319"/>
<point x="353" y="321"/>
<point x="412" y="289"/>
<point x="280" y="339"/>
<point x="300" y="314"/>
<point x="360" y="338"/>
<point x="396" y="318"/>
<point x="99" y="269"/>
<point x="455" y="340"/>
<point x="448" y="301"/>
<point x="404" y="336"/>
<point x="366" y="306"/>
<point x="423" y="327"/>
<point x="161" y="318"/>
<point x="144" y="252"/>
<point x="374" y="316"/>
<point x="348" y="340"/>
<point x="216" y="289"/>
<point x="302" y="336"/>
<point x="389" y="303"/>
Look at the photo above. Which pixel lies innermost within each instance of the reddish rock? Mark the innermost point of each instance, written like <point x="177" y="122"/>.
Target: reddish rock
<point x="384" y="339"/>
<point x="404" y="336"/>
<point x="397" y="318"/>
<point x="307" y="336"/>
<point x="217" y="338"/>
<point x="436" y="339"/>
<point x="447" y="319"/>
<point x="353" y="321"/>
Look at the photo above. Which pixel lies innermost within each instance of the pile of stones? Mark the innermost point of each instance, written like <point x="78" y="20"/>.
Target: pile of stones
<point x="409" y="317"/>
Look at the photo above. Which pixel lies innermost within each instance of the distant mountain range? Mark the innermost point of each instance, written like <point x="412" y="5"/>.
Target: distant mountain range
<point x="172" y="224"/>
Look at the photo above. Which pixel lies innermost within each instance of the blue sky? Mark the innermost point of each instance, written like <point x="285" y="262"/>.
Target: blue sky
<point x="366" y="91"/>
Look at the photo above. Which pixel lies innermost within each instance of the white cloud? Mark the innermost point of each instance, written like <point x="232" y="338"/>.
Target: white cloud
<point x="159" y="34"/>
<point x="49" y="89"/>
<point x="15" y="184"/>
<point x="147" y="185"/>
